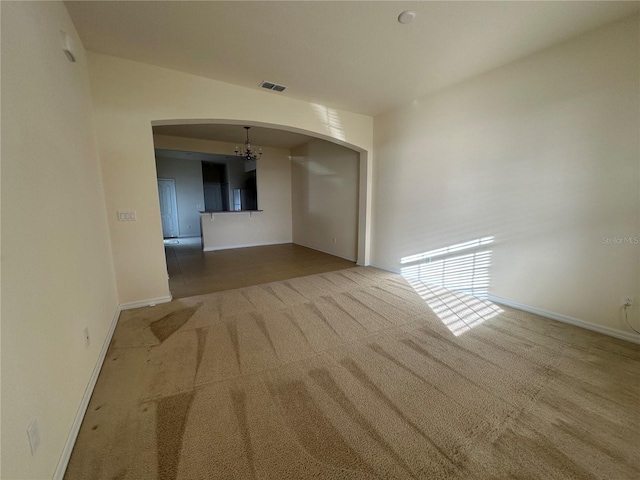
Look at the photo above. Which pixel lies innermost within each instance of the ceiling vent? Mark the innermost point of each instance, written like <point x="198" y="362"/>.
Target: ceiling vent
<point x="272" y="86"/>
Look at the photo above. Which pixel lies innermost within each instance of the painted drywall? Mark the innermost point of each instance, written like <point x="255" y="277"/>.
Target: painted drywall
<point x="272" y="225"/>
<point x="57" y="270"/>
<point x="324" y="184"/>
<point x="543" y="154"/>
<point x="189" y="193"/>
<point x="128" y="96"/>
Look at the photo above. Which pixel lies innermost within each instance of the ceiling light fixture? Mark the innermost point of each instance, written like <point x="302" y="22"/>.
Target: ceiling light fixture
<point x="407" y="16"/>
<point x="247" y="152"/>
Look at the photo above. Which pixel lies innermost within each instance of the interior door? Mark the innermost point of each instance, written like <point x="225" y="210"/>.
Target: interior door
<point x="168" y="207"/>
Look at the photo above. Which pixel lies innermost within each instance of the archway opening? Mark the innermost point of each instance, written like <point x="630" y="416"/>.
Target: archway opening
<point x="311" y="192"/>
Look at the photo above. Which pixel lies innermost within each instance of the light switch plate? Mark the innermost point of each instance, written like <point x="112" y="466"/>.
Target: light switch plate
<point x="127" y="216"/>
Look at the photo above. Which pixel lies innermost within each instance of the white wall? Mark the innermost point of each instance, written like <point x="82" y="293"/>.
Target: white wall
<point x="324" y="179"/>
<point x="128" y="96"/>
<point x="57" y="267"/>
<point x="189" y="191"/>
<point x="544" y="155"/>
<point x="231" y="230"/>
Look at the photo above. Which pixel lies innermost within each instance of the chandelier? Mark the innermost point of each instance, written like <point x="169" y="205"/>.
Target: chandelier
<point x="247" y="152"/>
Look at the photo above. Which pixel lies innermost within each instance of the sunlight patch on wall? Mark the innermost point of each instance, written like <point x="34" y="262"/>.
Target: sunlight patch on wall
<point x="454" y="281"/>
<point x="331" y="120"/>
<point x="314" y="167"/>
<point x="439" y="252"/>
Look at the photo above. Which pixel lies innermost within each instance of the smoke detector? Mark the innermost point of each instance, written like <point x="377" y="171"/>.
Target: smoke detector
<point x="407" y="16"/>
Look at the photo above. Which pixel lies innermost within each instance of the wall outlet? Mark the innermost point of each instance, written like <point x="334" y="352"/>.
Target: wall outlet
<point x="627" y="302"/>
<point x="87" y="339"/>
<point x="334" y="240"/>
<point x="34" y="436"/>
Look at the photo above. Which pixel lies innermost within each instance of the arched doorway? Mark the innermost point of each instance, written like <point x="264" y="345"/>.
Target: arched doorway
<point x="324" y="186"/>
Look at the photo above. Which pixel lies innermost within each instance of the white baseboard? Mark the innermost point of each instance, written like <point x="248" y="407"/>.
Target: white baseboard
<point x="75" y="428"/>
<point x="229" y="247"/>
<point x="612" y="332"/>
<point x="82" y="409"/>
<point x="386" y="269"/>
<point x="146" y="303"/>
<point x="346" y="257"/>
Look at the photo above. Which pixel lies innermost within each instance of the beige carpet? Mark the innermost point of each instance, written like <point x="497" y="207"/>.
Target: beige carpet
<point x="351" y="375"/>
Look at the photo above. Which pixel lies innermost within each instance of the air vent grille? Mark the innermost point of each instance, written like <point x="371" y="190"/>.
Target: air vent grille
<point x="272" y="86"/>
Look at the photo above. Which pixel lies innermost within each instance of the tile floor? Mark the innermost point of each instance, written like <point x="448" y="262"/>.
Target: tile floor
<point x="194" y="272"/>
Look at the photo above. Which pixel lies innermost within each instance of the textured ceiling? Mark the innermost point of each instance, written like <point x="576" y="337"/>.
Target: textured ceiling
<point x="349" y="55"/>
